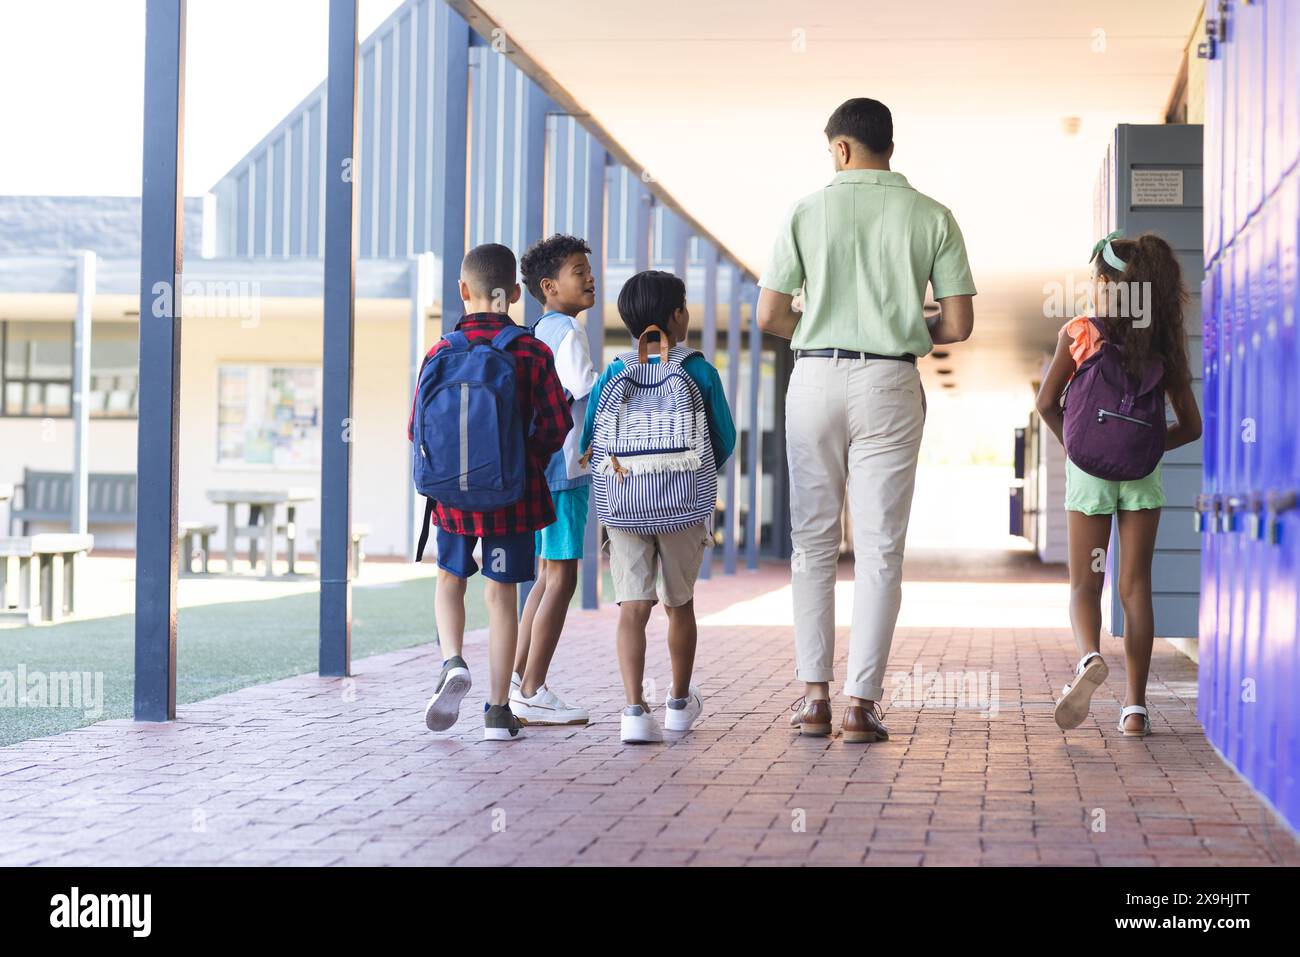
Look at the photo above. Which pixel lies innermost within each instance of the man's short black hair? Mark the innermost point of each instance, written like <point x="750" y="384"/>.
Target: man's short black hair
<point x="488" y="268"/>
<point x="648" y="299"/>
<point x="543" y="259"/>
<point x="867" y="121"/>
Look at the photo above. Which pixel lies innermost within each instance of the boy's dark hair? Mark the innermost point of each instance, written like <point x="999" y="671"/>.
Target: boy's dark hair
<point x="867" y="121"/>
<point x="543" y="259"/>
<point x="648" y="299"/>
<point x="487" y="268"/>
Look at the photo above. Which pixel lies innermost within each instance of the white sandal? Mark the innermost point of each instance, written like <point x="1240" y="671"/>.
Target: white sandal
<point x="1076" y="697"/>
<point x="1146" y="721"/>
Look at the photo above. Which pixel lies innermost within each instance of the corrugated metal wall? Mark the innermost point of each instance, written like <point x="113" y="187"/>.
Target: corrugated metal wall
<point x="1250" y="655"/>
<point x="269" y="204"/>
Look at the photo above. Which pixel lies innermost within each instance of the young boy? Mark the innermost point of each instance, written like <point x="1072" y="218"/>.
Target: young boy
<point x="655" y="298"/>
<point x="558" y="274"/>
<point x="488" y="286"/>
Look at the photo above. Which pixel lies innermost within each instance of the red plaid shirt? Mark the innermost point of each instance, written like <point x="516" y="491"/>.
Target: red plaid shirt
<point x="541" y="402"/>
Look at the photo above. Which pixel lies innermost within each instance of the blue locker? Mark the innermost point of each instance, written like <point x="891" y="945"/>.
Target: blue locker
<point x="1285" y="597"/>
<point x="1274" y="651"/>
<point x="1253" y="572"/>
<point x="1252" y="370"/>
<point x="1213" y="170"/>
<point x="1238" y="488"/>
<point x="1227" y="481"/>
<point x="1208" y="622"/>
<point x="1290" y="92"/>
<point x="1246" y="23"/>
<point x="1231" y="131"/>
<point x="1275" y="38"/>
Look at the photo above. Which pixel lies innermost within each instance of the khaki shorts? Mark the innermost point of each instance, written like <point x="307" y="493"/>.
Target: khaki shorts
<point x="636" y="561"/>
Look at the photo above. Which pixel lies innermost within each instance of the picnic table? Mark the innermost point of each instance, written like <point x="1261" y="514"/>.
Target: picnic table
<point x="263" y="504"/>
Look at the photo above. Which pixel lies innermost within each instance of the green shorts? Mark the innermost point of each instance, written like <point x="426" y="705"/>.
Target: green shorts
<point x="1094" y="496"/>
<point x="563" y="538"/>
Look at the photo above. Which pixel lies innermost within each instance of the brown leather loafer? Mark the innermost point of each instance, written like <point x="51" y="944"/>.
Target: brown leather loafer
<point x="863" y="725"/>
<point x="812" y="717"/>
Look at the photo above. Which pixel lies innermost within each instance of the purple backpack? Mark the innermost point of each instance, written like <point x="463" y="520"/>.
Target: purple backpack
<point x="1114" y="426"/>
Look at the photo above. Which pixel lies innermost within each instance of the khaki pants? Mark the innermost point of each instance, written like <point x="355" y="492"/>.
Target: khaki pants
<point x="851" y="424"/>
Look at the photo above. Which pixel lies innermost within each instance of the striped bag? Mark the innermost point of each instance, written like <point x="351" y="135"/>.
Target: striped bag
<point x="651" y="459"/>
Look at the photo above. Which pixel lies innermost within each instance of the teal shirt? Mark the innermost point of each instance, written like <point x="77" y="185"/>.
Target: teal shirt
<point x="722" y="431"/>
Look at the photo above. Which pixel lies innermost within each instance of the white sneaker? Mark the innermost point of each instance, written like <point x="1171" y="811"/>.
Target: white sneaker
<point x="681" y="719"/>
<point x="545" y="707"/>
<point x="516" y="682"/>
<point x="639" y="726"/>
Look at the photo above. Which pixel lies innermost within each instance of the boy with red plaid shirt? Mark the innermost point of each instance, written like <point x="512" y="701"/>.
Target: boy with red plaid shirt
<point x="488" y="286"/>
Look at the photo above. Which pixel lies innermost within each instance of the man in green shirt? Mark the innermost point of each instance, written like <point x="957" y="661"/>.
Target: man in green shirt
<point x="861" y="252"/>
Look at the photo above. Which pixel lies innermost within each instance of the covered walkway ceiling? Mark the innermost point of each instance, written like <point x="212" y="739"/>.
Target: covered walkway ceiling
<point x="724" y="102"/>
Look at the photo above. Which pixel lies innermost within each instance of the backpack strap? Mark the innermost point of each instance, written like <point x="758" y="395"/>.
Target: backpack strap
<point x="680" y="354"/>
<point x="458" y="341"/>
<point x="424" y="530"/>
<point x="508" y="335"/>
<point x="643" y="344"/>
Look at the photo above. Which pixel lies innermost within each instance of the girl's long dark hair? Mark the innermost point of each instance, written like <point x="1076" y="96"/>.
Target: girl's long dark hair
<point x="1150" y="260"/>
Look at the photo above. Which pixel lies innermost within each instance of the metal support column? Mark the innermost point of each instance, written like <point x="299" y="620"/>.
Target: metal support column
<point x="754" y="463"/>
<point x="450" y="137"/>
<point x="340" y="324"/>
<point x="594" y="229"/>
<point x="81" y="340"/>
<point x="534" y="210"/>
<point x="421" y="297"/>
<point x="534" y="182"/>
<point x="642" y="223"/>
<point x="734" y="332"/>
<point x="161" y="252"/>
<point x="709" y="342"/>
<point x="681" y="250"/>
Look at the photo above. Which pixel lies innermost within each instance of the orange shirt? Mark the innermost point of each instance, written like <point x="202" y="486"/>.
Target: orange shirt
<point x="1085" y="340"/>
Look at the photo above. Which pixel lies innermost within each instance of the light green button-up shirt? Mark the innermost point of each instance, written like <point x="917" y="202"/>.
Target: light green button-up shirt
<point x="862" y="249"/>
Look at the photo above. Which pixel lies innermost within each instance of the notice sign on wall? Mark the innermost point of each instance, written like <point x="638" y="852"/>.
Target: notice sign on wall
<point x="1157" y="187"/>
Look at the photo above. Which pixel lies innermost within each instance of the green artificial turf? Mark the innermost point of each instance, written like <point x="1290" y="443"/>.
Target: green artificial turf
<point x="220" y="648"/>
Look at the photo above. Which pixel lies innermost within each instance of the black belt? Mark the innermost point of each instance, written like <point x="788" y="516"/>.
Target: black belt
<point x="848" y="354"/>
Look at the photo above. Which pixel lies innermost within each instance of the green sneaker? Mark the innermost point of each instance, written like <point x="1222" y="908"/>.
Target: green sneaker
<point x="500" y="724"/>
<point x="453" y="684"/>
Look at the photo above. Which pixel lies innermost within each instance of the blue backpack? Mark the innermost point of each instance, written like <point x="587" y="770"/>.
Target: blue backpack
<point x="468" y="438"/>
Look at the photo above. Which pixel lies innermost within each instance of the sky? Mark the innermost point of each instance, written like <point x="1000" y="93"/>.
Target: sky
<point x="72" y="72"/>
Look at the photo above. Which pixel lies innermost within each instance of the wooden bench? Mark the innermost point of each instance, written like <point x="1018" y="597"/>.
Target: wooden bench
<point x="189" y="531"/>
<point x="47" y="497"/>
<point x="46" y="576"/>
<point x="359" y="532"/>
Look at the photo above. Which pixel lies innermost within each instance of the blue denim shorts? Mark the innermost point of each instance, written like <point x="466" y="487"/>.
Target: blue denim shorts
<point x="508" y="559"/>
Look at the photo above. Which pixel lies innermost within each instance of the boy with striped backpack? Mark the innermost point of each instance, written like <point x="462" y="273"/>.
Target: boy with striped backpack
<point x="656" y="431"/>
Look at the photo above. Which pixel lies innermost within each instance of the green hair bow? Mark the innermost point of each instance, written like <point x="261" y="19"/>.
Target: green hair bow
<point x="1107" y="251"/>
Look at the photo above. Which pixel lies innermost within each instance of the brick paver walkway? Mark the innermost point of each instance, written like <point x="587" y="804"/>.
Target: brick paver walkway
<point x="317" y="771"/>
